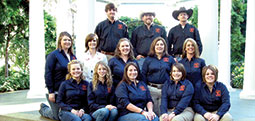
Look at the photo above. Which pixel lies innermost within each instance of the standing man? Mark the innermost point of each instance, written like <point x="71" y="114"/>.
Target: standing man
<point x="110" y="31"/>
<point x="143" y="36"/>
<point x="178" y="34"/>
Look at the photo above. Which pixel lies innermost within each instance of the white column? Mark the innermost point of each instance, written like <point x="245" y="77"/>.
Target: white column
<point x="84" y="24"/>
<point x="224" y="43"/>
<point x="248" y="91"/>
<point x="208" y="29"/>
<point x="36" y="49"/>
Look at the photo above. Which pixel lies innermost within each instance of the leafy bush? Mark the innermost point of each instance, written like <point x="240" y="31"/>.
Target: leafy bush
<point x="237" y="76"/>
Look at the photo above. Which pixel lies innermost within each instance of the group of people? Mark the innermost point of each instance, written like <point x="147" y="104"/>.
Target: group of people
<point x="150" y="77"/>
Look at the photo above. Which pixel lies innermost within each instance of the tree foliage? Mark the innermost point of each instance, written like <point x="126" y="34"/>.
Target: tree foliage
<point x="50" y="32"/>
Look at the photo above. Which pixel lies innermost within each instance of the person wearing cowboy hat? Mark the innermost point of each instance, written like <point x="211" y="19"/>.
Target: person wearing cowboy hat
<point x="178" y="34"/>
<point x="143" y="36"/>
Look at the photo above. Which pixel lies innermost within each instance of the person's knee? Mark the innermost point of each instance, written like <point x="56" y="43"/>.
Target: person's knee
<point x="198" y="117"/>
<point x="226" y="117"/>
<point x="104" y="112"/>
<point x="114" y="112"/>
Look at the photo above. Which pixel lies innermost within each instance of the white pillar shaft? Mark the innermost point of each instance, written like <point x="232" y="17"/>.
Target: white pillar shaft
<point x="224" y="46"/>
<point x="208" y="29"/>
<point x="36" y="49"/>
<point x="84" y="24"/>
<point x="249" y="67"/>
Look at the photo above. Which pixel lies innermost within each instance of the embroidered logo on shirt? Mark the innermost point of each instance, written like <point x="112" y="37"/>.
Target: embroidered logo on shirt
<point x="182" y="88"/>
<point x="196" y="65"/>
<point x="158" y="30"/>
<point x="191" y="29"/>
<point x="218" y="93"/>
<point x="142" y="88"/>
<point x="120" y="26"/>
<point x="109" y="89"/>
<point x="165" y="59"/>
<point x="84" y="87"/>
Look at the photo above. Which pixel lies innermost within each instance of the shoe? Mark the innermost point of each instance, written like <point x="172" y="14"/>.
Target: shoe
<point x="42" y="106"/>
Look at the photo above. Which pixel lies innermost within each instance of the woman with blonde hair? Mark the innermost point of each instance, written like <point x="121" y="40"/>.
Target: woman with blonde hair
<point x="101" y="98"/>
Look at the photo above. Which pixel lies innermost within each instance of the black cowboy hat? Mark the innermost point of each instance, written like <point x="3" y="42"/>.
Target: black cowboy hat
<point x="146" y="13"/>
<point x="176" y="13"/>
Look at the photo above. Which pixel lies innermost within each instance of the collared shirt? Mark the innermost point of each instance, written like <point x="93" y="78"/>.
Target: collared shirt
<point x="73" y="96"/>
<point x="177" y="35"/>
<point x="89" y="63"/>
<point x="205" y="101"/>
<point x="142" y="38"/>
<point x="109" y="34"/>
<point x="100" y="97"/>
<point x="117" y="66"/>
<point x="157" y="71"/>
<point x="177" y="96"/>
<point x="138" y="95"/>
<point x="56" y="69"/>
<point x="193" y="69"/>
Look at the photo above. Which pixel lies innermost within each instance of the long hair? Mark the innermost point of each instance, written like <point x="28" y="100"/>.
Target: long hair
<point x="153" y="44"/>
<point x="108" y="76"/>
<point x="69" y="76"/>
<point x="61" y="35"/>
<point x="89" y="38"/>
<point x="184" y="53"/>
<point x="125" y="76"/>
<point x="117" y="50"/>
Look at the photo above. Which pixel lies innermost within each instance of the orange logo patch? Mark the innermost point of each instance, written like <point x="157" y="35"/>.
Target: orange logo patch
<point x="84" y="87"/>
<point x="196" y="65"/>
<point x="158" y="30"/>
<point x="120" y="26"/>
<point x="182" y="88"/>
<point x="109" y="89"/>
<point x="165" y="59"/>
<point x="74" y="58"/>
<point x="191" y="29"/>
<point x="218" y="93"/>
<point x="142" y="88"/>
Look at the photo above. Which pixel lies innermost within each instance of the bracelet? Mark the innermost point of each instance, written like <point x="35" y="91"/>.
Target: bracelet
<point x="141" y="112"/>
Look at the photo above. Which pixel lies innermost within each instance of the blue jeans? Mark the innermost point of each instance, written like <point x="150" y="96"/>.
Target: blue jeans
<point x="103" y="114"/>
<point x="135" y="117"/>
<point x="140" y="63"/>
<point x="51" y="112"/>
<point x="69" y="116"/>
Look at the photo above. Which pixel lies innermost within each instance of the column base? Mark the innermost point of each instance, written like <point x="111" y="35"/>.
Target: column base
<point x="250" y="95"/>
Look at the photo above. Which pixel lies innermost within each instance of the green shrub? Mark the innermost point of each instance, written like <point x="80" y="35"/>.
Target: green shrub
<point x="237" y="76"/>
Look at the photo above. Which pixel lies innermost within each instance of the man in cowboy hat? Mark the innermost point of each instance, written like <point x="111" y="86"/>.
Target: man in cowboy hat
<point x="143" y="36"/>
<point x="182" y="31"/>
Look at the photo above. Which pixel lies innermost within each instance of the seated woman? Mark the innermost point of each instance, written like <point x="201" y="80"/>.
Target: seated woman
<point x="134" y="97"/>
<point x="176" y="96"/>
<point x="211" y="100"/>
<point x="72" y="95"/>
<point x="101" y="97"/>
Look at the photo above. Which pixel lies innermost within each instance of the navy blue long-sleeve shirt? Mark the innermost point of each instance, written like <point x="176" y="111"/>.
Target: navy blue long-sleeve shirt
<point x="193" y="69"/>
<point x="56" y="69"/>
<point x="157" y="71"/>
<point x="177" y="35"/>
<point x="109" y="34"/>
<point x="138" y="95"/>
<point x="177" y="96"/>
<point x="100" y="97"/>
<point x="73" y="96"/>
<point x="142" y="38"/>
<point x="117" y="66"/>
<point x="218" y="100"/>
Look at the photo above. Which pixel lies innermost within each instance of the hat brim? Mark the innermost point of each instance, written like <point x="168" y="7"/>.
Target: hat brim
<point x="177" y="12"/>
<point x="144" y="13"/>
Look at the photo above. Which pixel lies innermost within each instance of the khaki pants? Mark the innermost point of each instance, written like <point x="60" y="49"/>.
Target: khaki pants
<point x="225" y="117"/>
<point x="156" y="97"/>
<point x="186" y="115"/>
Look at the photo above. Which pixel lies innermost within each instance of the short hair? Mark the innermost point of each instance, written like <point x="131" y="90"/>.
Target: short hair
<point x="184" y="53"/>
<point x="89" y="38"/>
<point x="110" y="6"/>
<point x="117" y="50"/>
<point x="153" y="44"/>
<point x="125" y="76"/>
<point x="213" y="69"/>
<point x="181" y="68"/>
<point x="69" y="76"/>
<point x="61" y="36"/>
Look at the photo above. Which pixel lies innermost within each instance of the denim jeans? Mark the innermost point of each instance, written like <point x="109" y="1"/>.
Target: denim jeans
<point x="135" y="117"/>
<point x="140" y="62"/>
<point x="103" y="114"/>
<point x="69" y="116"/>
<point x="52" y="112"/>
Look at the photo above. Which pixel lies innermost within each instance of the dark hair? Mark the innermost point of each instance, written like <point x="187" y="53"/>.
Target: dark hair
<point x="110" y="6"/>
<point x="125" y="76"/>
<point x="213" y="69"/>
<point x="153" y="44"/>
<point x="117" y="50"/>
<point x="181" y="68"/>
<point x="61" y="35"/>
<point x="89" y="38"/>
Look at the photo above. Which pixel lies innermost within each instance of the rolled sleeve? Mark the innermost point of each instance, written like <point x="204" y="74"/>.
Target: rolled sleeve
<point x="122" y="95"/>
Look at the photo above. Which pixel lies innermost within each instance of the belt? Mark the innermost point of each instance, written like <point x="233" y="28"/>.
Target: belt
<point x="108" y="53"/>
<point x="159" y="86"/>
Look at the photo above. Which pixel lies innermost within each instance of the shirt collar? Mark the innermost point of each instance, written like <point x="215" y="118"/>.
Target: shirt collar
<point x="192" y="59"/>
